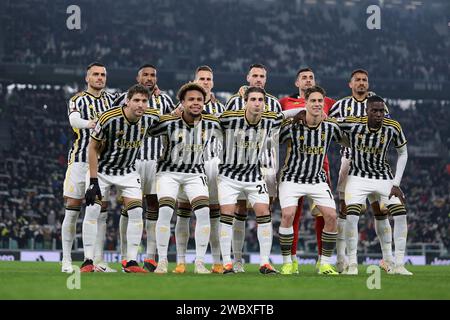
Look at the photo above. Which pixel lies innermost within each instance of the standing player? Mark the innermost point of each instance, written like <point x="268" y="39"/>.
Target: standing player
<point x="305" y="79"/>
<point x="355" y="106"/>
<point x="370" y="174"/>
<point x="256" y="77"/>
<point x="150" y="152"/>
<point x="122" y="131"/>
<point x="246" y="136"/>
<point x="182" y="167"/>
<point x="84" y="111"/>
<point x="204" y="78"/>
<point x="303" y="175"/>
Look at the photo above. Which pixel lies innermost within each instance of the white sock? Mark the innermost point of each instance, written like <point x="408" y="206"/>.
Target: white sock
<point x="150" y="229"/>
<point x="163" y="231"/>
<point x="324" y="260"/>
<point x="134" y="232"/>
<point x="265" y="235"/>
<point x="225" y="241"/>
<point x="214" y="240"/>
<point x="123" y="224"/>
<point x="340" y="242"/>
<point x="90" y="230"/>
<point x="384" y="232"/>
<point x="101" y="235"/>
<point x="293" y="257"/>
<point x="182" y="238"/>
<point x="286" y="231"/>
<point x="400" y="235"/>
<point x="238" y="238"/>
<point x="68" y="232"/>
<point x="351" y="237"/>
<point x="202" y="232"/>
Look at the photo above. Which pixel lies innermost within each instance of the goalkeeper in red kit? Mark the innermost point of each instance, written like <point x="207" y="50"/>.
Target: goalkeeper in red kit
<point x="304" y="80"/>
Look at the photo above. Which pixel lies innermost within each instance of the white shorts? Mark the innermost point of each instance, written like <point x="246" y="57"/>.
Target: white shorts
<point x="128" y="185"/>
<point x="170" y="184"/>
<point x="212" y="171"/>
<point x="342" y="181"/>
<point x="147" y="171"/>
<point x="229" y="190"/>
<point x="320" y="193"/>
<point x="358" y="189"/>
<point x="270" y="177"/>
<point x="75" y="181"/>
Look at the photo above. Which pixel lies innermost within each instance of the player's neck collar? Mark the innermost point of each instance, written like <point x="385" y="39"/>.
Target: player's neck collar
<point x="126" y="118"/>
<point x="248" y="122"/>
<point x="195" y="120"/>
<point x="96" y="97"/>
<point x="357" y="100"/>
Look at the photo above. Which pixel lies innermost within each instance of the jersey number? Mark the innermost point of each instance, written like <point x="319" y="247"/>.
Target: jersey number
<point x="262" y="188"/>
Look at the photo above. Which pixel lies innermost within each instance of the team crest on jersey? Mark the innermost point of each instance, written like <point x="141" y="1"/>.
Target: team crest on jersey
<point x="301" y="138"/>
<point x="142" y="130"/>
<point x="323" y="136"/>
<point x="120" y="133"/>
<point x="361" y="136"/>
<point x="382" y="140"/>
<point x="267" y="108"/>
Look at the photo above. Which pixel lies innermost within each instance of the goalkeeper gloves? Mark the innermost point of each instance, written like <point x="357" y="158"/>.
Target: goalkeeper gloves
<point x="93" y="191"/>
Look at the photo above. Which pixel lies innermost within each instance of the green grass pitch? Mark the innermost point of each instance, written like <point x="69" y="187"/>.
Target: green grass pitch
<point x="43" y="280"/>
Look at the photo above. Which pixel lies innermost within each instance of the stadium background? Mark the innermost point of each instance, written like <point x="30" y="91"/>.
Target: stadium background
<point x="42" y="64"/>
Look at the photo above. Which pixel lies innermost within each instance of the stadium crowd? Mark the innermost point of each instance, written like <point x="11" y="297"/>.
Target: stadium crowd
<point x="34" y="162"/>
<point x="172" y="33"/>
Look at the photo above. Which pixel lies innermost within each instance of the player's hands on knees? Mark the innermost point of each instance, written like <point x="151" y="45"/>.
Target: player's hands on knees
<point x="396" y="191"/>
<point x="300" y="117"/>
<point x="92" y="192"/>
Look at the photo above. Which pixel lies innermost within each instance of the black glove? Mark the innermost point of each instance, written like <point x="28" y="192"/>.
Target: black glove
<point x="93" y="191"/>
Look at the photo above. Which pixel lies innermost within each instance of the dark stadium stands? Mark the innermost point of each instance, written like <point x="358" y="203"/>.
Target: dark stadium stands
<point x="229" y="35"/>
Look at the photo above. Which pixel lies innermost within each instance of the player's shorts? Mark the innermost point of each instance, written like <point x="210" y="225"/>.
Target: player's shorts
<point x="75" y="181"/>
<point x="342" y="181"/>
<point x="170" y="184"/>
<point x="229" y="190"/>
<point x="127" y="185"/>
<point x="320" y="193"/>
<point x="212" y="171"/>
<point x="270" y="177"/>
<point x="147" y="171"/>
<point x="358" y="189"/>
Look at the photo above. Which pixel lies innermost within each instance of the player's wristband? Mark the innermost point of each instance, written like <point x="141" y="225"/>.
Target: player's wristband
<point x="93" y="181"/>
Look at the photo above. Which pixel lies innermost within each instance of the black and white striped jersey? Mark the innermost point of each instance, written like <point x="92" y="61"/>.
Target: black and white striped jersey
<point x="122" y="139"/>
<point x="307" y="149"/>
<point x="185" y="145"/>
<point x="351" y="107"/>
<point x="90" y="107"/>
<point x="236" y="102"/>
<point x="152" y="147"/>
<point x="369" y="147"/>
<point x="244" y="144"/>
<point x="215" y="108"/>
